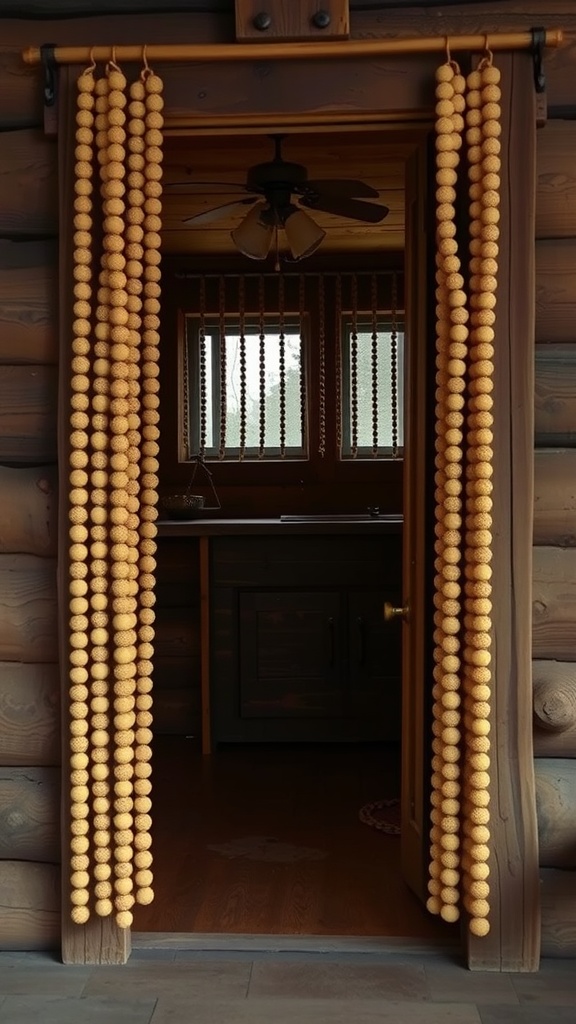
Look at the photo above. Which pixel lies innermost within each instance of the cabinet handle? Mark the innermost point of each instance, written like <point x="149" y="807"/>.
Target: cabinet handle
<point x="331" y="640"/>
<point x="361" y="643"/>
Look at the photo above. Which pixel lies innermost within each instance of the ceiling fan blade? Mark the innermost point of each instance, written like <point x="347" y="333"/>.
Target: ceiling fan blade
<point x="355" y="209"/>
<point x="227" y="210"/>
<point x="345" y="187"/>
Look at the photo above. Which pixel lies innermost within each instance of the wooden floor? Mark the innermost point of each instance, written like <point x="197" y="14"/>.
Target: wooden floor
<point x="267" y="840"/>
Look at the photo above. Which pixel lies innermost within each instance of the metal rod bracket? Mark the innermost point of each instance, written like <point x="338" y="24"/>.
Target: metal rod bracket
<point x="50" y="77"/>
<point x="50" y="88"/>
<point x="538" y="46"/>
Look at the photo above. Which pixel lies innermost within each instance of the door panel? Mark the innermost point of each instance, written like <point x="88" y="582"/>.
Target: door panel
<point x="375" y="662"/>
<point x="290" y="655"/>
<point x="414" y="799"/>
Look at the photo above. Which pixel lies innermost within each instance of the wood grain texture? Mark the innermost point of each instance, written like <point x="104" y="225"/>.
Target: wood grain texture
<point x="555" y="396"/>
<point x="321" y="871"/>
<point x="556" y="180"/>
<point x="28" y="510"/>
<point x="20" y="91"/>
<point x="29" y="714"/>
<point x="28" y="308"/>
<point x="558" y="890"/>
<point x="177" y="712"/>
<point x="513" y="943"/>
<point x="29" y="814"/>
<point x="555" y="497"/>
<point x="554" y="684"/>
<point x="29" y="897"/>
<point x="554" y="603"/>
<point x="556" y="805"/>
<point x="293" y="21"/>
<point x="177" y="634"/>
<point x="28" y="196"/>
<point x="28" y="400"/>
<point x="28" y="611"/>
<point x="556" y="287"/>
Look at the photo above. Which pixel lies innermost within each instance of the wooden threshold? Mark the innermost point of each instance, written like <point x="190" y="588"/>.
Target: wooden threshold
<point x="210" y="942"/>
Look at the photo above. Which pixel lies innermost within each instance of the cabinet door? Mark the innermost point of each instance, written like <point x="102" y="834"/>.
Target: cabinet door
<point x="375" y="654"/>
<point x="290" y="655"/>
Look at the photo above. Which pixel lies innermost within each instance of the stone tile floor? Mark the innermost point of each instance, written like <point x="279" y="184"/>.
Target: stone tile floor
<point x="249" y="987"/>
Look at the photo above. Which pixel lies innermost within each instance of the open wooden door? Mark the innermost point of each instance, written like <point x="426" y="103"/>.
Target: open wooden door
<point x="414" y="796"/>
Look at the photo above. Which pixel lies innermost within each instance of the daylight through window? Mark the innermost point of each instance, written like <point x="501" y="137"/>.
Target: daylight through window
<point x="293" y="367"/>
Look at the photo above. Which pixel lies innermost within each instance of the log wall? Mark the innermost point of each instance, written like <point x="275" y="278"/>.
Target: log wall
<point x="554" y="567"/>
<point x="29" y="678"/>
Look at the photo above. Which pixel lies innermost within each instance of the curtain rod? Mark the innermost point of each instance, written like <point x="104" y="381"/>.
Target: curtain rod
<point x="295" y="51"/>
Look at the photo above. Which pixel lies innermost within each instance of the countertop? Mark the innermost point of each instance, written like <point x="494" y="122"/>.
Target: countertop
<point x="285" y="525"/>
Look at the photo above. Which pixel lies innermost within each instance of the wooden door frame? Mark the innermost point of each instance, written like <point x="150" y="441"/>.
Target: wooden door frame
<point x="513" y="943"/>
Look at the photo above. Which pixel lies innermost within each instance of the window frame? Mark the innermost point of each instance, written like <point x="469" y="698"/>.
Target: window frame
<point x="364" y="325"/>
<point x="292" y="323"/>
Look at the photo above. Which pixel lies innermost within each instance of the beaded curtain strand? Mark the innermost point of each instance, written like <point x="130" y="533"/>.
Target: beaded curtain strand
<point x="302" y="360"/>
<point x="123" y="502"/>
<point x="99" y="532"/>
<point x="152" y="204"/>
<point x="112" y="579"/>
<point x="242" y="361"/>
<point x="223" y="365"/>
<point x="460" y="814"/>
<point x="483" y="120"/>
<point x="202" y="355"/>
<point x="451" y="333"/>
<point x="78" y="513"/>
<point x="354" y="370"/>
<point x="281" y="368"/>
<point x="321" y="367"/>
<point x="261" y="367"/>
<point x="374" y="362"/>
<point x="394" y="366"/>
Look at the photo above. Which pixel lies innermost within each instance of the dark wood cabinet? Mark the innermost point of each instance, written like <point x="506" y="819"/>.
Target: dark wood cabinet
<point x="300" y="651"/>
<point x="291" y="655"/>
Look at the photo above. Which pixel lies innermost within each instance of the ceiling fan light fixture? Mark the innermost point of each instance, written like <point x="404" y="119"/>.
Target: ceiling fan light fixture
<point x="303" y="234"/>
<point x="253" y="237"/>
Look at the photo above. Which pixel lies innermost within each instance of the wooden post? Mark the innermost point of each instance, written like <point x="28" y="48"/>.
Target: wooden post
<point x="513" y="943"/>
<point x="100" y="941"/>
<point x="204" y="543"/>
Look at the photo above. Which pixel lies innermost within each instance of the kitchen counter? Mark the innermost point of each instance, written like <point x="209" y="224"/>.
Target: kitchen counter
<point x="284" y="525"/>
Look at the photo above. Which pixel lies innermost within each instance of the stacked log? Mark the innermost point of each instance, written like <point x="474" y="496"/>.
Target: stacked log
<point x="29" y="678"/>
<point x="554" y="594"/>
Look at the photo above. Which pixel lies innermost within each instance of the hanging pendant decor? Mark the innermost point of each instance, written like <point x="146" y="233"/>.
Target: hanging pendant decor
<point x="113" y="490"/>
<point x="460" y="814"/>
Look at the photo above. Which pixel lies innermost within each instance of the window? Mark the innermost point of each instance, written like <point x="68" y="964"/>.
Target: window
<point x="372" y="396"/>
<point x="292" y="368"/>
<point x="247" y="388"/>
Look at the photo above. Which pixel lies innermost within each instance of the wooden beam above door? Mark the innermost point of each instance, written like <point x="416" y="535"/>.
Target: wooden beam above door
<point x="275" y="20"/>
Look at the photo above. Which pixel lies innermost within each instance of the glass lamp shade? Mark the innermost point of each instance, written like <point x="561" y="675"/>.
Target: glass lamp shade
<point x="303" y="234"/>
<point x="253" y="237"/>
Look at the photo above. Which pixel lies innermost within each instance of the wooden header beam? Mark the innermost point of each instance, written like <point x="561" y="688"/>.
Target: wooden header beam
<point x="207" y="53"/>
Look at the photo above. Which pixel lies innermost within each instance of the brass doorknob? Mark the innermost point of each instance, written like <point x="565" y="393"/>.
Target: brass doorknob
<point x="391" y="612"/>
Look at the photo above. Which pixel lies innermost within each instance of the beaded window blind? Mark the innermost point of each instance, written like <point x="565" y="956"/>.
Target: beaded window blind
<point x="260" y="351"/>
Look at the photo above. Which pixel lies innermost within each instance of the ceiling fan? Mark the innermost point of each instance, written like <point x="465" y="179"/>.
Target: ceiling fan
<point x="279" y="194"/>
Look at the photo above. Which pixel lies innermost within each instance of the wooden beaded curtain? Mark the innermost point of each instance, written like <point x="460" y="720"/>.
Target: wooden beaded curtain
<point x="113" y="488"/>
<point x="247" y="330"/>
<point x="467" y="110"/>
